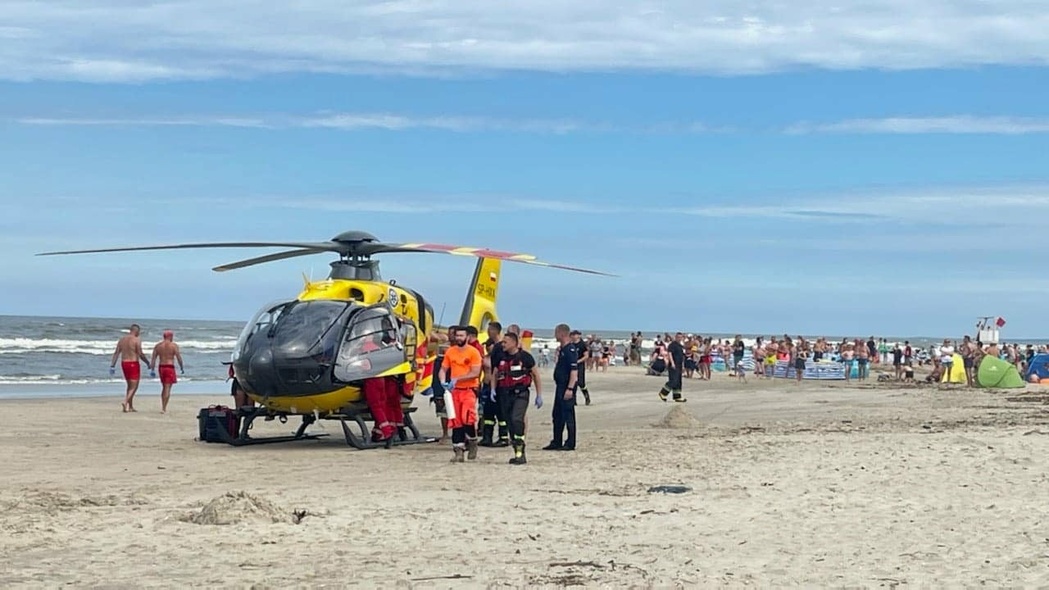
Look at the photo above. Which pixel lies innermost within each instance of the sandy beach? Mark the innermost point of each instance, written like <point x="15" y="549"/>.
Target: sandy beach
<point x="821" y="484"/>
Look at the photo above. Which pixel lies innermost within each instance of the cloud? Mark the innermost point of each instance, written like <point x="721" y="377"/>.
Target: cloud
<point x="961" y="124"/>
<point x="990" y="207"/>
<point x="407" y="204"/>
<point x="443" y="123"/>
<point x="478" y="124"/>
<point x="342" y="122"/>
<point x="124" y="41"/>
<point x="146" y="122"/>
<point x="982" y="214"/>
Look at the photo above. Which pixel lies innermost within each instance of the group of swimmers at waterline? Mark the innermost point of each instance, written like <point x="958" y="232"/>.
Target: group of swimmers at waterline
<point x="165" y="354"/>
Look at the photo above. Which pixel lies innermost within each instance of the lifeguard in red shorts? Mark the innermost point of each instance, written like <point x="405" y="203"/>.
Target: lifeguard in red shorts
<point x="460" y="371"/>
<point x="166" y="352"/>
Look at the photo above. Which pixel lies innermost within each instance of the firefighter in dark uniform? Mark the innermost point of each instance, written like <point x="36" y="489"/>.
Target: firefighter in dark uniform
<point x="583" y="353"/>
<point x="515" y="372"/>
<point x="491" y="406"/>
<point x="566" y="372"/>
<point x="674" y="367"/>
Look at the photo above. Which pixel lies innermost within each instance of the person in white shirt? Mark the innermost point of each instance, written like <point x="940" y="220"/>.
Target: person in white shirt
<point x="947" y="357"/>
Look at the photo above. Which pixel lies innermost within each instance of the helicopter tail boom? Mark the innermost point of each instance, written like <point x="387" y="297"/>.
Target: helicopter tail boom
<point x="479" y="307"/>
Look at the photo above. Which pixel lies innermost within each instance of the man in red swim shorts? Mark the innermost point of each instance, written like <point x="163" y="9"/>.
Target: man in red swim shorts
<point x="129" y="349"/>
<point x="166" y="352"/>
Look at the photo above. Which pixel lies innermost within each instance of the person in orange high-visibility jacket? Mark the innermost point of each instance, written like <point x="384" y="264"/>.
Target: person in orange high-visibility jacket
<point x="460" y="372"/>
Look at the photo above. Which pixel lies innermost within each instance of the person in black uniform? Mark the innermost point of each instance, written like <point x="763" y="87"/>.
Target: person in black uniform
<point x="677" y="362"/>
<point x="566" y="373"/>
<point x="491" y="407"/>
<point x="515" y="372"/>
<point x="582" y="354"/>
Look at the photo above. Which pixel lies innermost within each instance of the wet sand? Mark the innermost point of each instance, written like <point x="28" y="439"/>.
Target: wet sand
<point x="823" y="484"/>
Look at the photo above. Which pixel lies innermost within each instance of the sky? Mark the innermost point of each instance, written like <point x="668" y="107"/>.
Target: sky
<point x="876" y="167"/>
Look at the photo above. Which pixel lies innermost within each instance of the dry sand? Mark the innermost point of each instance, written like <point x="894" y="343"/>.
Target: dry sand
<point x="817" y="485"/>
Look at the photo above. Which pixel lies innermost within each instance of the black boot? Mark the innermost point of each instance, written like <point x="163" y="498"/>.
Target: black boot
<point x="519" y="454"/>
<point x="504" y="436"/>
<point x="663" y="393"/>
<point x="486" y="435"/>
<point x="586" y="395"/>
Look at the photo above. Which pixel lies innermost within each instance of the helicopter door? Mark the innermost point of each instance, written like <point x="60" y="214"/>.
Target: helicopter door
<point x="374" y="344"/>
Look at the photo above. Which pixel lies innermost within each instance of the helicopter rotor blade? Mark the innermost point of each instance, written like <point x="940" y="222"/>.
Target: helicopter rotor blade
<point x="267" y="258"/>
<point x="482" y="253"/>
<point x="319" y="246"/>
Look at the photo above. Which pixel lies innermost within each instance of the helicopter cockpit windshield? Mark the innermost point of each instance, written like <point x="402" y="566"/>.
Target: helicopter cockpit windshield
<point x="262" y="321"/>
<point x="373" y="345"/>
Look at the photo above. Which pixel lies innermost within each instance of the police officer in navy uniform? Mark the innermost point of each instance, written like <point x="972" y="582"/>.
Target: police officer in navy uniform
<point x="514" y="373"/>
<point x="491" y="406"/>
<point x="566" y="372"/>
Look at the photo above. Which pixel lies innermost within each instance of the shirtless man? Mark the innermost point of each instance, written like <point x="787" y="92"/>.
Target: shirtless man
<point x="167" y="352"/>
<point x="129" y="349"/>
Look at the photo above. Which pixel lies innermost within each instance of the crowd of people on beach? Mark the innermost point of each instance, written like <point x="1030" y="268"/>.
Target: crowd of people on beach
<point x="702" y="353"/>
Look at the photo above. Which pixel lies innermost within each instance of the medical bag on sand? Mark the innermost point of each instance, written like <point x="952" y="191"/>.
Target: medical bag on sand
<point x="216" y="420"/>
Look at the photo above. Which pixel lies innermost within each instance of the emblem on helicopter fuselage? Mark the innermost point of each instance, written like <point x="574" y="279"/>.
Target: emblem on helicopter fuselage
<point x="392" y="297"/>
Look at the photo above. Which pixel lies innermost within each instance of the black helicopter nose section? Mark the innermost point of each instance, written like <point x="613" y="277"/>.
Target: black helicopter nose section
<point x="355" y="236"/>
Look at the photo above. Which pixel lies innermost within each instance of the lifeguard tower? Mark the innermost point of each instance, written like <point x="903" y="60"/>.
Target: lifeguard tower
<point x="987" y="329"/>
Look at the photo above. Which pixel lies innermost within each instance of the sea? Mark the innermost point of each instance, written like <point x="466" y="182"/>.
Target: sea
<point x="70" y="356"/>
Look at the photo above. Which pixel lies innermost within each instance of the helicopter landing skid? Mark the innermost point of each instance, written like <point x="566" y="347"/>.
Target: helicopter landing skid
<point x="409" y="435"/>
<point x="247" y="417"/>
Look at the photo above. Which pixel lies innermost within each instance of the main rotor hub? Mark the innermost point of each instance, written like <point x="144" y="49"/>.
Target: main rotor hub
<point x="354" y="237"/>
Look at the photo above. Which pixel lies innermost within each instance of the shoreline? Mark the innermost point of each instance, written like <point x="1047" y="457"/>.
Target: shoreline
<point x="147" y="388"/>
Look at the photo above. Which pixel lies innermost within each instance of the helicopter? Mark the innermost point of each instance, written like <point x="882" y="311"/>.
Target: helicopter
<point x="305" y="355"/>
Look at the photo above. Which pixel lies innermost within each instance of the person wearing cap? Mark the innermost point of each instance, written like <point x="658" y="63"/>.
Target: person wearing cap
<point x="165" y="353"/>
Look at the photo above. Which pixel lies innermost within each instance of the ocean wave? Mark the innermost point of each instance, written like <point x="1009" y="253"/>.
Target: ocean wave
<point x="60" y="380"/>
<point x="99" y="347"/>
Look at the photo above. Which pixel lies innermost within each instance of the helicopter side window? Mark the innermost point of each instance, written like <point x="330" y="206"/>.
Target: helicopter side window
<point x="372" y="346"/>
<point x="409" y="337"/>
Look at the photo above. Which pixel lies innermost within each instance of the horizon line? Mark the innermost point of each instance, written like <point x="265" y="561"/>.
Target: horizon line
<point x="586" y="331"/>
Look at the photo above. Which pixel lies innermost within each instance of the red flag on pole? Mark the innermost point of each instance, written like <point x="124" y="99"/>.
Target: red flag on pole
<point x="1000" y="322"/>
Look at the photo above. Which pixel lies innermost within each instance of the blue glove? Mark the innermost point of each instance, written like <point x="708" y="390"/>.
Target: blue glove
<point x="448" y="386"/>
<point x="538" y="401"/>
<point x="112" y="371"/>
<point x="492" y="395"/>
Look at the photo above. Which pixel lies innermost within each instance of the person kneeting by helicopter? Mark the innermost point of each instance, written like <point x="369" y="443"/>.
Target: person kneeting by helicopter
<point x="460" y="374"/>
<point x="513" y="374"/>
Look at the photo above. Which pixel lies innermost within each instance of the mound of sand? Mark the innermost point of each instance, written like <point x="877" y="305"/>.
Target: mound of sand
<point x="678" y="418"/>
<point x="238" y="507"/>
